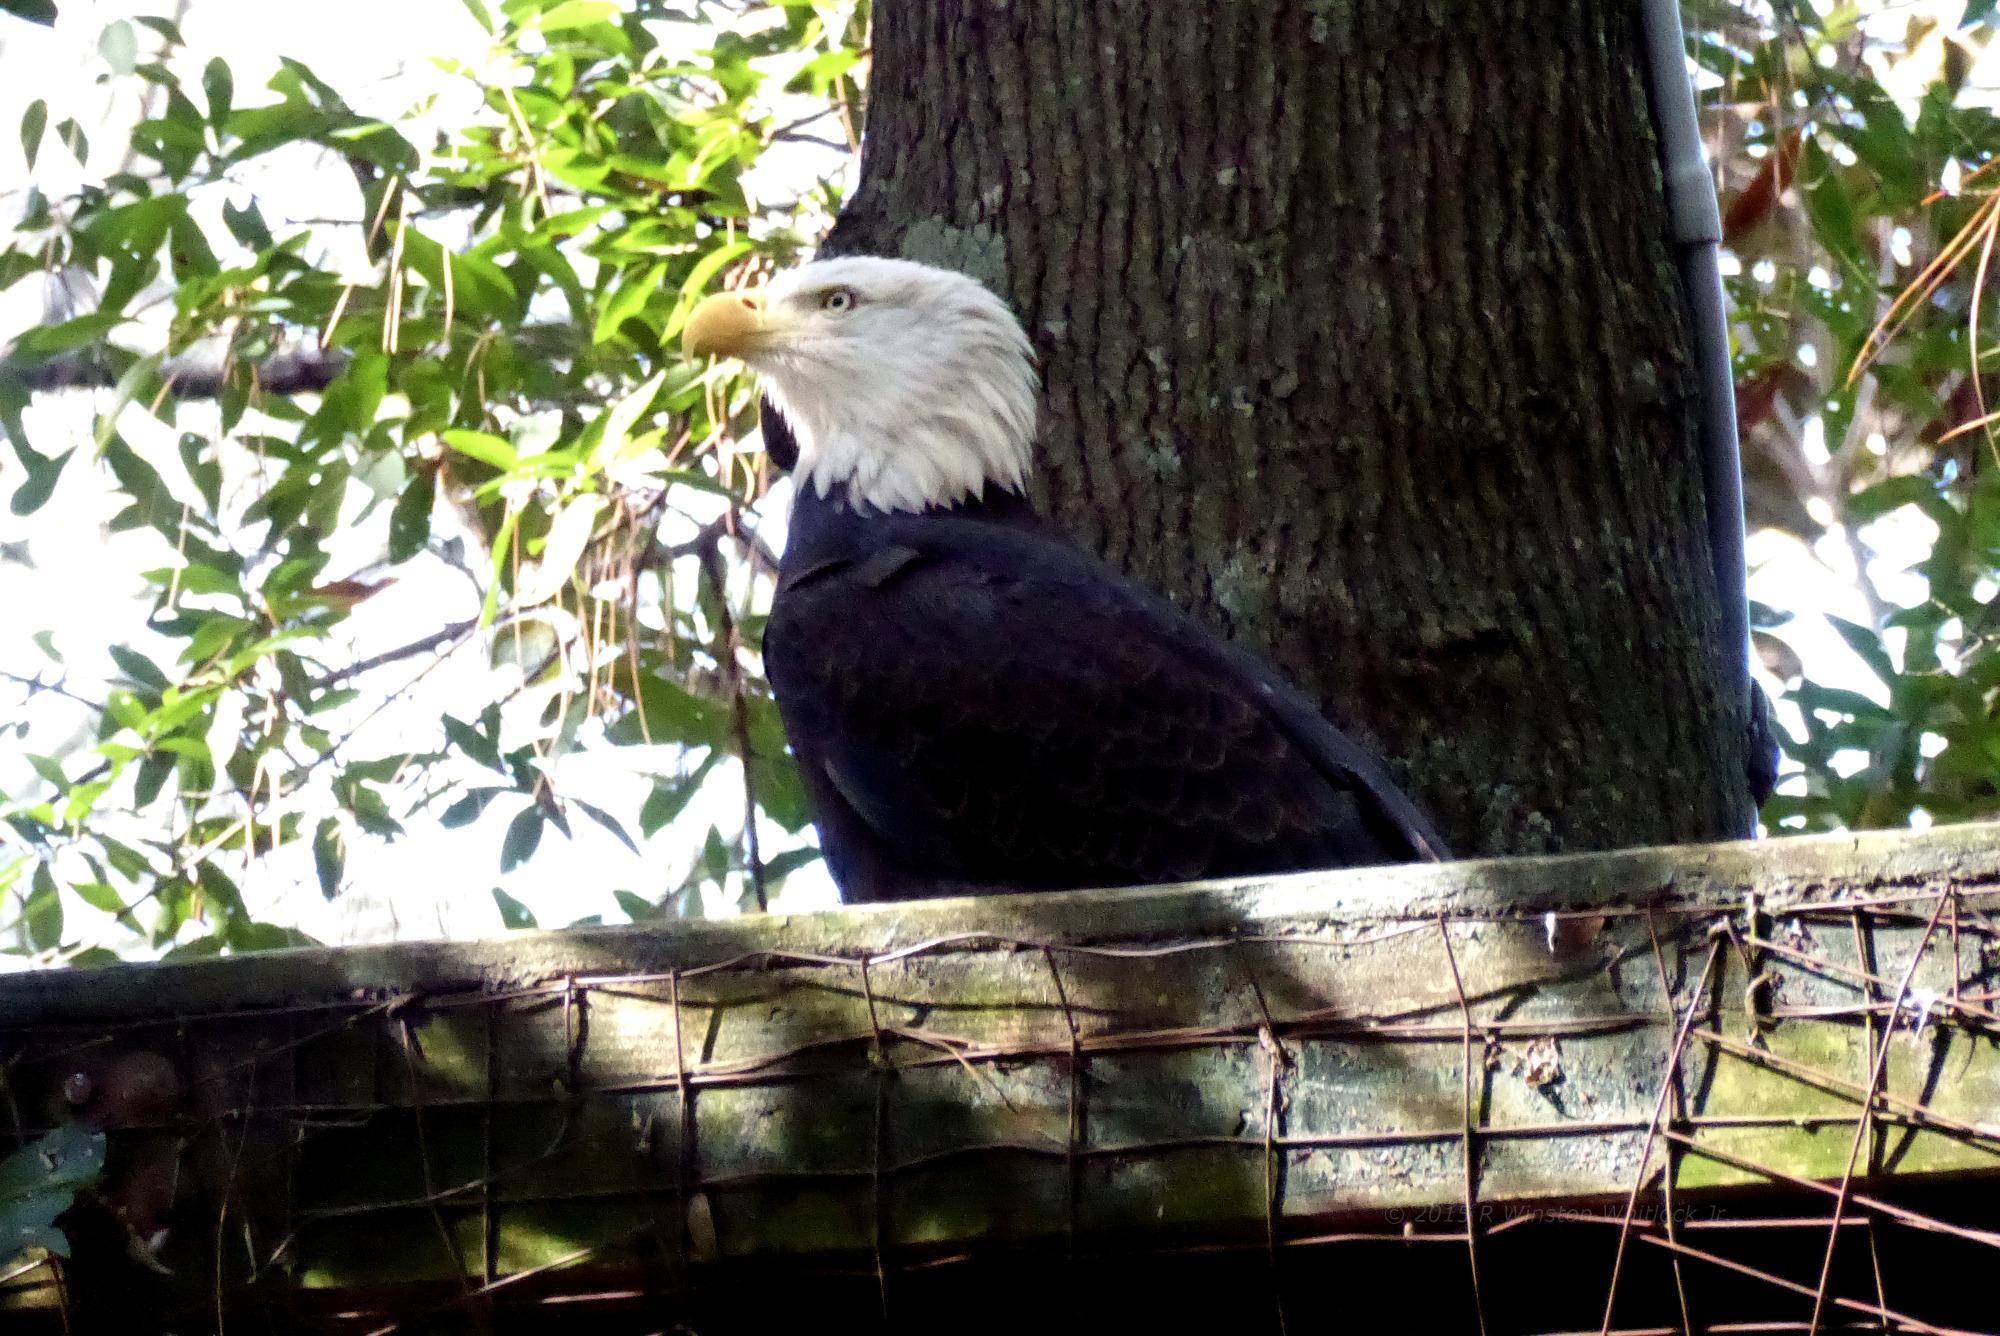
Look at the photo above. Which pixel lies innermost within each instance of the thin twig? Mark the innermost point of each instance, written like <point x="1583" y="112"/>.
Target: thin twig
<point x="35" y="686"/>
<point x="732" y="678"/>
<point x="448" y="635"/>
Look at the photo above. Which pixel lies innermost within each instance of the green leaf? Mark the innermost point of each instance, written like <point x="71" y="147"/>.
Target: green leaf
<point x="33" y="121"/>
<point x="1829" y="205"/>
<point x="636" y="907"/>
<point x="569" y="533"/>
<point x="244" y="935"/>
<point x="350" y="403"/>
<point x="474" y="742"/>
<point x="101" y="896"/>
<point x="198" y="458"/>
<point x="1908" y="490"/>
<point x="524" y="832"/>
<point x="503" y="546"/>
<point x="143" y="372"/>
<point x="780" y="791"/>
<point x="670" y="797"/>
<point x="695" y="285"/>
<point x="715" y="859"/>
<point x="329" y="856"/>
<point x="482" y="446"/>
<point x="130" y="863"/>
<point x="194" y="763"/>
<point x="34" y="11"/>
<point x="668" y="712"/>
<point x="39" y="1181"/>
<point x="627" y="300"/>
<point x="139" y="668"/>
<point x="42" y="915"/>
<point x="783" y="865"/>
<point x="480" y="288"/>
<point x="61" y="337"/>
<point x="82" y="800"/>
<point x="119" y="45"/>
<point x="410" y="521"/>
<point x="72" y="137"/>
<point x="618" y="421"/>
<point x="190" y="252"/>
<point x="606" y="820"/>
<point x="224" y="896"/>
<point x="153" y="773"/>
<point x="166" y="28"/>
<point x="513" y="914"/>
<point x="467" y="809"/>
<point x="822" y="71"/>
<point x="43" y="474"/>
<point x="247" y="225"/>
<point x="153" y="505"/>
<point x="1866" y="644"/>
<point x="220" y="87"/>
<point x="528" y="643"/>
<point x="1811" y="696"/>
<point x="95" y="957"/>
<point x="577" y="14"/>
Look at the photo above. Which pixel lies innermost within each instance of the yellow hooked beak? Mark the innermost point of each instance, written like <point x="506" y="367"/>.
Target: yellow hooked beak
<point x="728" y="324"/>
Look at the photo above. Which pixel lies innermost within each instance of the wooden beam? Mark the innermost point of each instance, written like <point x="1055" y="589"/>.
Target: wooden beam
<point x="1712" y="874"/>
<point x="1250" y="1064"/>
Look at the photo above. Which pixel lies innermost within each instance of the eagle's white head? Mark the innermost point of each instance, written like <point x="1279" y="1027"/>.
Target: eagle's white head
<point x="906" y="385"/>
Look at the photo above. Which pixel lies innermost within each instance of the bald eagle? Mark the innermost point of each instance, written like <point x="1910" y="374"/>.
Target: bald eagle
<point x="977" y="704"/>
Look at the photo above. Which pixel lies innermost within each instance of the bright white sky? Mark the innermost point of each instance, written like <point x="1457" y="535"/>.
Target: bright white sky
<point x="437" y="882"/>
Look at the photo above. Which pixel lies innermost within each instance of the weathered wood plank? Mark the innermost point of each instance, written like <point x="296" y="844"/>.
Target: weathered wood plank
<point x="1718" y="874"/>
<point x="1225" y="1064"/>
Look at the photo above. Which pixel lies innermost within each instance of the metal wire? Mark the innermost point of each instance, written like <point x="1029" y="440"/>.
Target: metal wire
<point x="1084" y="1017"/>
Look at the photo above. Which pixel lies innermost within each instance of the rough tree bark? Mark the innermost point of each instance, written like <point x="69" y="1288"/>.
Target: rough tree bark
<point x="1362" y="338"/>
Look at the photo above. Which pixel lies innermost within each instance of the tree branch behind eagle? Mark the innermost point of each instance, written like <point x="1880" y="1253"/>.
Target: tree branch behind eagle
<point x="976" y="703"/>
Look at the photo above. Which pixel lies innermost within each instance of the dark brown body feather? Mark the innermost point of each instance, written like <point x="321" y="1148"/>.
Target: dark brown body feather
<point x="979" y="705"/>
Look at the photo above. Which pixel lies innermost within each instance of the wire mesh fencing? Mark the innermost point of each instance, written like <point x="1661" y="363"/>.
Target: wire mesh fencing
<point x="1748" y="1088"/>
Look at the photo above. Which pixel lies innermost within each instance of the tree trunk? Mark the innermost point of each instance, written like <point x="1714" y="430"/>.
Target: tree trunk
<point x="1362" y="339"/>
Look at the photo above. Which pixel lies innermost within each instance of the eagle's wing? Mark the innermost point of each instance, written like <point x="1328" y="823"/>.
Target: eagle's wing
<point x="1001" y="711"/>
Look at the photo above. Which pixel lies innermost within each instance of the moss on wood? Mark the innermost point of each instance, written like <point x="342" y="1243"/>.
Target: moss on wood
<point x="1220" y="1064"/>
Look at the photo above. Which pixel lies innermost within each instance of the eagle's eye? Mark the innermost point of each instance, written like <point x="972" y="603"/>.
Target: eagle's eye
<point x="838" y="300"/>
